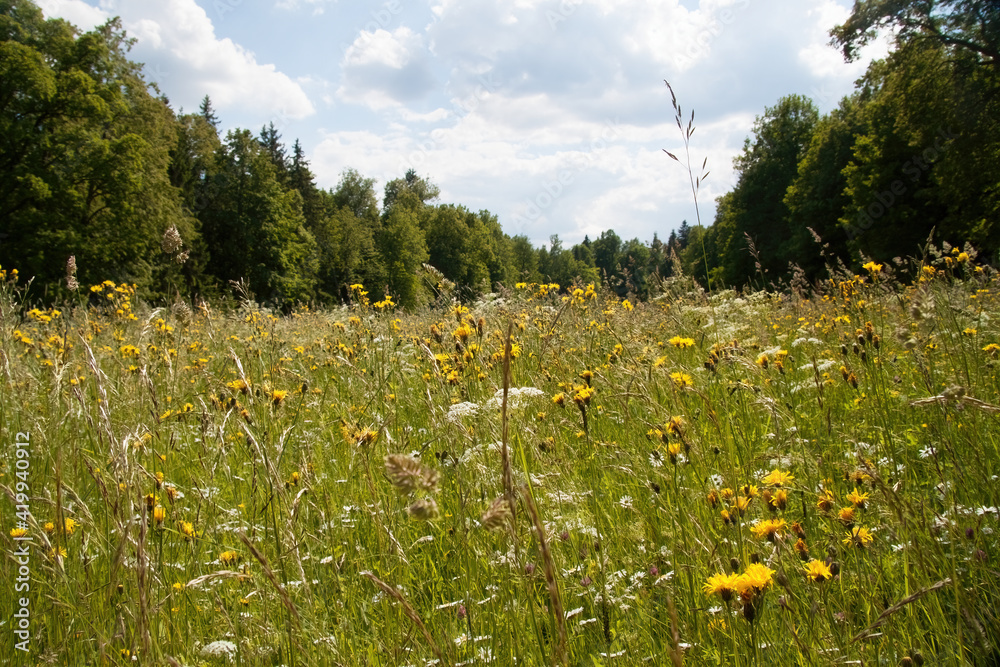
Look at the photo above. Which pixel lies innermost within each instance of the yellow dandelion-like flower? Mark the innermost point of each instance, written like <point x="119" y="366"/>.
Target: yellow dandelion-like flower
<point x="872" y="268"/>
<point x="802" y="548"/>
<point x="278" y="395"/>
<point x="769" y="529"/>
<point x="159" y="514"/>
<point x="681" y="343"/>
<point x="755" y="578"/>
<point x="857" y="499"/>
<point x="229" y="558"/>
<point x="818" y="571"/>
<point x="779" y="500"/>
<point x="70" y="525"/>
<point x="582" y="396"/>
<point x="846" y="515"/>
<point x="18" y="532"/>
<point x="777" y="478"/>
<point x="723" y="585"/>
<point x="186" y="529"/>
<point x="681" y="380"/>
<point x="859" y="537"/>
<point x="825" y="501"/>
<point x="241" y="386"/>
<point x="49" y="527"/>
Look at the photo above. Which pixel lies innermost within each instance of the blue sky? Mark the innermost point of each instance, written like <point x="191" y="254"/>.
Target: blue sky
<point x="550" y="113"/>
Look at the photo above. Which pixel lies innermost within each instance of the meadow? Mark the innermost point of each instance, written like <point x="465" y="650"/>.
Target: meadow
<point x="762" y="478"/>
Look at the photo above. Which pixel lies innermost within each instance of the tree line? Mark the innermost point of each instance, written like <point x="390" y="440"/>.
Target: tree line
<point x="914" y="150"/>
<point x="96" y="165"/>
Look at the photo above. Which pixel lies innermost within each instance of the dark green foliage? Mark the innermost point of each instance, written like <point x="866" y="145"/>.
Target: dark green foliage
<point x="254" y="227"/>
<point x="95" y="164"/>
<point x="972" y="26"/>
<point x="752" y="221"/>
<point x="817" y="195"/>
<point x="85" y="152"/>
<point x="403" y="248"/>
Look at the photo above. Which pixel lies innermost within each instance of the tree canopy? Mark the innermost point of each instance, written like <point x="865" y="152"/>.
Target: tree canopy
<point x="96" y="165"/>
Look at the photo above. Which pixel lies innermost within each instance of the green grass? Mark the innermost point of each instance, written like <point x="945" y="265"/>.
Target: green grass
<point x="303" y="552"/>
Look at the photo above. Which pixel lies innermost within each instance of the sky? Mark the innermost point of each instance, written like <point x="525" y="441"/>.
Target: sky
<point x="551" y="114"/>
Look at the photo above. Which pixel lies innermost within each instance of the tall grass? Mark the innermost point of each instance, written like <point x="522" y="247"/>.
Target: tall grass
<point x="214" y="488"/>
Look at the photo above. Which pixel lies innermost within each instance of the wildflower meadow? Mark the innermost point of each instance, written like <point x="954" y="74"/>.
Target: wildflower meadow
<point x="547" y="475"/>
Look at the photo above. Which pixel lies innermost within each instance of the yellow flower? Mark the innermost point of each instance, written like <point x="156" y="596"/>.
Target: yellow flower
<point x="723" y="585"/>
<point x="873" y="268"/>
<point x="846" y="515"/>
<point x="681" y="379"/>
<point x="755" y="578"/>
<point x="70" y="525"/>
<point x="229" y="558"/>
<point x="627" y="305"/>
<point x="159" y="514"/>
<point x="777" y="478"/>
<point x="779" y="500"/>
<point x="239" y="385"/>
<point x="818" y="571"/>
<point x="857" y="499"/>
<point x="770" y="529"/>
<point x="49" y="527"/>
<point x="825" y="502"/>
<point x="278" y="395"/>
<point x="681" y="343"/>
<point x="186" y="529"/>
<point x="18" y="532"/>
<point x="858" y="536"/>
<point x="582" y="396"/>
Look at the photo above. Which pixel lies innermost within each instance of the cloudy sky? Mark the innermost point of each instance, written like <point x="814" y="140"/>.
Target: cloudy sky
<point x="552" y="114"/>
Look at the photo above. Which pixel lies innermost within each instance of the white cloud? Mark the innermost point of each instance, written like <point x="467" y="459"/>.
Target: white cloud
<point x="177" y="41"/>
<point x="825" y="62"/>
<point x="382" y="69"/>
<point x="319" y="6"/>
<point x="393" y="49"/>
<point x="77" y="12"/>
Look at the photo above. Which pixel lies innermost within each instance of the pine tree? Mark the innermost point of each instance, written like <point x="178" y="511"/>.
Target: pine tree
<point x="208" y="112"/>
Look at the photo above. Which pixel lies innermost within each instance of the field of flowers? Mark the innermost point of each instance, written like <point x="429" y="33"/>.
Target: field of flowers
<point x="701" y="479"/>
